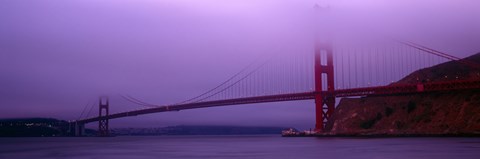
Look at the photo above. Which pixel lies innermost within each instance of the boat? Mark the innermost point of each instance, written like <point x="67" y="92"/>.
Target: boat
<point x="292" y="132"/>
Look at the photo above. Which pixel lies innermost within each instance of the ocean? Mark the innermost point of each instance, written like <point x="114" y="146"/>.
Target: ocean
<point x="238" y="147"/>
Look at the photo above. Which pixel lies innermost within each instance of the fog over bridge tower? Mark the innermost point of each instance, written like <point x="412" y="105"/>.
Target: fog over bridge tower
<point x="323" y="69"/>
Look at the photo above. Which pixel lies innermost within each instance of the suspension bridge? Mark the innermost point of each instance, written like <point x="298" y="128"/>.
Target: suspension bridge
<point x="319" y="76"/>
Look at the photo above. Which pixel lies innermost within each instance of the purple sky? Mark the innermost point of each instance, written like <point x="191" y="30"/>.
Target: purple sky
<point x="56" y="55"/>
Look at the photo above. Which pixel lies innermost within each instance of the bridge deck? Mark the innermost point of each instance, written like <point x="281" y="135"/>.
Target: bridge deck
<point x="394" y="89"/>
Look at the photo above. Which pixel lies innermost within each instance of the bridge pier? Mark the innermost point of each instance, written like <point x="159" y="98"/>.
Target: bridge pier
<point x="79" y="129"/>
<point x="103" y="112"/>
<point x="324" y="85"/>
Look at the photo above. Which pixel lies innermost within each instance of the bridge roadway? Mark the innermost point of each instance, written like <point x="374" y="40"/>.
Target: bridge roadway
<point x="393" y="89"/>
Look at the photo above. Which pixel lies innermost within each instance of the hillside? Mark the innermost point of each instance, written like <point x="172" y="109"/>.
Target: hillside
<point x="443" y="72"/>
<point x="37" y="127"/>
<point x="32" y="127"/>
<point x="447" y="113"/>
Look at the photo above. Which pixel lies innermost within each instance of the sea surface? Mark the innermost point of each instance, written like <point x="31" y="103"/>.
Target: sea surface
<point x="240" y="147"/>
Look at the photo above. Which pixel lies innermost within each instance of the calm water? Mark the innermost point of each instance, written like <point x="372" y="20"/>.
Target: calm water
<point x="262" y="147"/>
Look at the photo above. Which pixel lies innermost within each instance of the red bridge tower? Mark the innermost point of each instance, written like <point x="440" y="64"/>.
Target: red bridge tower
<point x="103" y="112"/>
<point x="324" y="85"/>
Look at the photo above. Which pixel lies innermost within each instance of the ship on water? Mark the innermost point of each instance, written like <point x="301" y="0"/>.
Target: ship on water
<point x="292" y="132"/>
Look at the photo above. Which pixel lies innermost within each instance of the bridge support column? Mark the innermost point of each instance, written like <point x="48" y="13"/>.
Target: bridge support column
<point x="324" y="85"/>
<point x="103" y="112"/>
<point x="79" y="129"/>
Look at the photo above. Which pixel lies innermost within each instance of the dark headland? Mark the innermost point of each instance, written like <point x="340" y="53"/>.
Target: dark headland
<point x="455" y="113"/>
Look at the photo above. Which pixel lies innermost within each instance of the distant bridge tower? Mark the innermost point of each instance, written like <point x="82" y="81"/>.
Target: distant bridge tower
<point x="324" y="85"/>
<point x="103" y="112"/>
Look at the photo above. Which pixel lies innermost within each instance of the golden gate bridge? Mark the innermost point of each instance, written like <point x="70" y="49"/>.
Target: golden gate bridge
<point x="319" y="76"/>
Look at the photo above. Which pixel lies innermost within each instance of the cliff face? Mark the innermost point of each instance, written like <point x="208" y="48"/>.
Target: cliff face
<point x="452" y="113"/>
